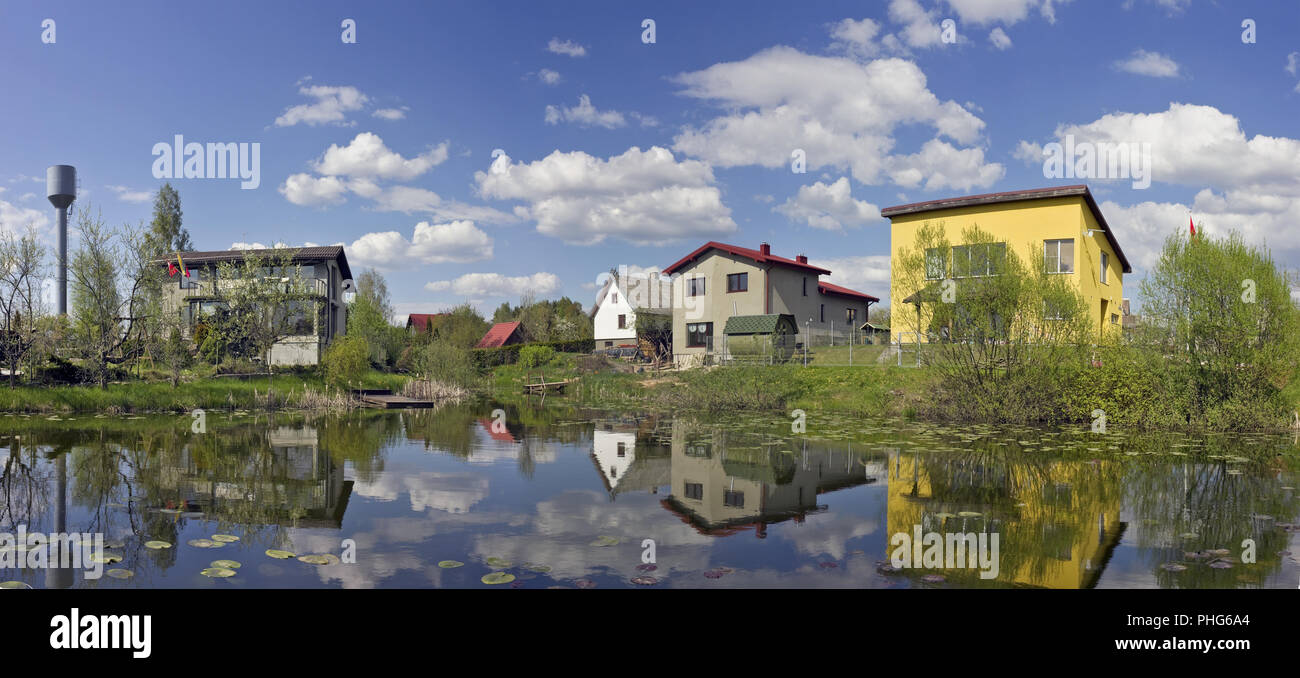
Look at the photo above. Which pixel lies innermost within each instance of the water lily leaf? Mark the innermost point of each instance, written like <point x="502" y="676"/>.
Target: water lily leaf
<point x="14" y="585"/>
<point x="218" y="572"/>
<point x="969" y="514"/>
<point x="106" y="558"/>
<point x="535" y="567"/>
<point x="645" y="581"/>
<point x="227" y="564"/>
<point x="605" y="541"/>
<point x="497" y="578"/>
<point x="156" y="545"/>
<point x="498" y="562"/>
<point x="933" y="578"/>
<point x="118" y="573"/>
<point x="282" y="555"/>
<point x="204" y="543"/>
<point x="115" y="543"/>
<point x="448" y="564"/>
<point x="225" y="538"/>
<point x="320" y="559"/>
<point x="1173" y="567"/>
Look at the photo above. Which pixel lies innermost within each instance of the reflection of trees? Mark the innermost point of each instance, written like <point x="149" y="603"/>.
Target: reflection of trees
<point x="359" y="439"/>
<point x="23" y="489"/>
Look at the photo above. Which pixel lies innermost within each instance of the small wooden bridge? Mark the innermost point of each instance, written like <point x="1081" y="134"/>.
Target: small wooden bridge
<point x="541" y="385"/>
<point x="382" y="397"/>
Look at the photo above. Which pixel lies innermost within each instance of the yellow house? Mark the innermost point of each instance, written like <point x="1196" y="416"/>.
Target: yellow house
<point x="1062" y="223"/>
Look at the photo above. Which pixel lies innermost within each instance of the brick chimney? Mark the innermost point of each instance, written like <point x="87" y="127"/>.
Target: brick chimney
<point x="802" y="258"/>
<point x="766" y="249"/>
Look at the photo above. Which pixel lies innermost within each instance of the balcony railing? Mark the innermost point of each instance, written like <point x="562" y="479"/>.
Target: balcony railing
<point x="203" y="289"/>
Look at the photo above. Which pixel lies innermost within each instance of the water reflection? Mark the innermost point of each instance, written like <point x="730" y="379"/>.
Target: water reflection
<point x="542" y="484"/>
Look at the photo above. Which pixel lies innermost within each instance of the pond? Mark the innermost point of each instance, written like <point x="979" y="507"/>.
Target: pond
<point x="556" y="496"/>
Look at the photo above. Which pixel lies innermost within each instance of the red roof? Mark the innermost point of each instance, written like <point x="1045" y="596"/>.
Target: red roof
<point x="755" y="255"/>
<point x="498" y="335"/>
<point x="421" y="320"/>
<point x="827" y="288"/>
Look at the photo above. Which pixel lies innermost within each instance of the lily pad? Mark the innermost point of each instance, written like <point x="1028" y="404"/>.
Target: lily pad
<point x="118" y="573"/>
<point x="218" y="572"/>
<point x="14" y="585"/>
<point x="225" y="538"/>
<point x="448" y="564"/>
<point x="605" y="540"/>
<point x="1220" y="565"/>
<point x="933" y="578"/>
<point x="497" y="578"/>
<point x="969" y="514"/>
<point x="537" y="567"/>
<point x="106" y="558"/>
<point x="227" y="564"/>
<point x="204" y="543"/>
<point x="157" y="545"/>
<point x="320" y="559"/>
<point x="645" y="581"/>
<point x="281" y="555"/>
<point x="498" y="562"/>
<point x="1173" y="567"/>
<point x="115" y="543"/>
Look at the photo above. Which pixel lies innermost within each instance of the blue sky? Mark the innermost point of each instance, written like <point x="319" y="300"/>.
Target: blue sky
<point x="617" y="152"/>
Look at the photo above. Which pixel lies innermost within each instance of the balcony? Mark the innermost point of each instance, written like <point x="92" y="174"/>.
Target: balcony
<point x="203" y="289"/>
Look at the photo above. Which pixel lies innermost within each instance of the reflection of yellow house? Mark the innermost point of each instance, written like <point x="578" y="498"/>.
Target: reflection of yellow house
<point x="722" y="486"/>
<point x="1063" y="224"/>
<point x="1056" y="529"/>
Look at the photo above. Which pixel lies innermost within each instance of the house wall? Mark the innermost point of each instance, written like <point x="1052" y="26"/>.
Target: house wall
<point x="605" y="323"/>
<point x="1023" y="226"/>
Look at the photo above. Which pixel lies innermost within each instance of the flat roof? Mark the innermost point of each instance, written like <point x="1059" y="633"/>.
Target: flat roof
<point x="1075" y="191"/>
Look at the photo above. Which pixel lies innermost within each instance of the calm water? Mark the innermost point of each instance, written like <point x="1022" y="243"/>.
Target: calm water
<point x="568" y="497"/>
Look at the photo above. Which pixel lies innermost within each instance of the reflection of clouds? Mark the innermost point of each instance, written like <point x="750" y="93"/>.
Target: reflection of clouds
<point x="829" y="533"/>
<point x="450" y="492"/>
<point x="489" y="451"/>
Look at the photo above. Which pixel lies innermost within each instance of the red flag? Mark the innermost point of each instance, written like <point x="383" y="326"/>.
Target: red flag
<point x="1191" y="224"/>
<point x="171" y="269"/>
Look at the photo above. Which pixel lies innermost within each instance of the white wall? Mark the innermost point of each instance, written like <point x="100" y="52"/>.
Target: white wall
<point x="605" y="323"/>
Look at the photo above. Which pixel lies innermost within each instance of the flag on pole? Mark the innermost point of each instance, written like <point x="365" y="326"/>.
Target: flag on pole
<point x="1190" y="224"/>
<point x="171" y="270"/>
<point x="184" y="270"/>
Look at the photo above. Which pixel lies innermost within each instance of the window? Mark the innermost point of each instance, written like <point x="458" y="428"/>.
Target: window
<point x="737" y="282"/>
<point x="936" y="263"/>
<point x="1114" y="318"/>
<point x="805" y="287"/>
<point x="622" y="449"/>
<point x="609" y="344"/>
<point x="614" y="297"/>
<point x="699" y="335"/>
<point x="823" y="314"/>
<point x="622" y="321"/>
<point x="733" y="498"/>
<point x="1058" y="255"/>
<point x="850" y="314"/>
<point x="980" y="259"/>
<point x="693" y="490"/>
<point x="695" y="287"/>
<point x="1105" y="262"/>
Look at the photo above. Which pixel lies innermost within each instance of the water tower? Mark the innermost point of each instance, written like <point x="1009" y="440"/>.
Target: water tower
<point x="61" y="189"/>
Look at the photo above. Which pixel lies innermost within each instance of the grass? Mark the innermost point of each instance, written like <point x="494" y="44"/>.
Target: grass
<point x="286" y="391"/>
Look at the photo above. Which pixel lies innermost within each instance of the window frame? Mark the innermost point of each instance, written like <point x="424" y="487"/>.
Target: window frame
<point x="695" y="287"/>
<point x="1105" y="265"/>
<point x="742" y="277"/>
<point x="1058" y="242"/>
<point x="690" y="334"/>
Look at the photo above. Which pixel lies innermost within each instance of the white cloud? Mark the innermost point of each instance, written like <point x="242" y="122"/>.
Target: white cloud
<point x="584" y="115"/>
<point x="869" y="274"/>
<point x="566" y="47"/>
<point x="454" y="242"/>
<point x="840" y="112"/>
<point x="1008" y="12"/>
<point x="391" y="113"/>
<point x="483" y="285"/>
<point x="367" y="156"/>
<point x="1152" y="64"/>
<point x="920" y="27"/>
<point x="14" y="219"/>
<point x="940" y="165"/>
<point x="309" y="191"/>
<point x="828" y="207"/>
<point x="549" y="76"/>
<point x="643" y="197"/>
<point x="999" y="38"/>
<point x="1293" y="63"/>
<point x="127" y="195"/>
<point x="856" y="37"/>
<point x="331" y="106"/>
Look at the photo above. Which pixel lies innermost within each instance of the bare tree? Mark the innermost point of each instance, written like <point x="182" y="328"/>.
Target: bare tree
<point x="22" y="263"/>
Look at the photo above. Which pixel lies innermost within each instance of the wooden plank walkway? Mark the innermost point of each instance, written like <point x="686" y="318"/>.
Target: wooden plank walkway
<point x="543" y="386"/>
<point x="376" y="397"/>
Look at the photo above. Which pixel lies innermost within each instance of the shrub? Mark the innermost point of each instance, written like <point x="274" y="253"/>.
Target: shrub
<point x="535" y="356"/>
<point x="445" y="362"/>
<point x="346" y="361"/>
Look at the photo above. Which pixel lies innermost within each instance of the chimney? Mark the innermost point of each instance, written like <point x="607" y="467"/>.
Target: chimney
<point x="766" y="249"/>
<point x="802" y="258"/>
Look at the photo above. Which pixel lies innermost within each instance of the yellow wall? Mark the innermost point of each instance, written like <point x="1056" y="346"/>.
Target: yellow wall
<point x="1023" y="226"/>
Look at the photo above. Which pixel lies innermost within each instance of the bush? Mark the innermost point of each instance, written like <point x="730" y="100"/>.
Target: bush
<point x="346" y="361"/>
<point x="509" y="355"/>
<point x="445" y="362"/>
<point x="535" y="356"/>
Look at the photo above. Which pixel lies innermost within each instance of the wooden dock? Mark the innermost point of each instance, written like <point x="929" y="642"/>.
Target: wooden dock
<point x="543" y="387"/>
<point x="377" y="397"/>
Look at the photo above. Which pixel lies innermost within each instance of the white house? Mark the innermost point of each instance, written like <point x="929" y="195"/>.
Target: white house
<point x="613" y="316"/>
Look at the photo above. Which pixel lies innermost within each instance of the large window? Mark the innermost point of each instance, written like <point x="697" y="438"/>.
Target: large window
<point x="622" y="321"/>
<point x="693" y="490"/>
<point x="737" y="282"/>
<point x="695" y="287"/>
<point x="850" y="315"/>
<point x="980" y="259"/>
<point x="733" y="498"/>
<point x="699" y="335"/>
<point x="1105" y="263"/>
<point x="1058" y="255"/>
<point x="936" y="263"/>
